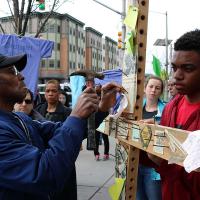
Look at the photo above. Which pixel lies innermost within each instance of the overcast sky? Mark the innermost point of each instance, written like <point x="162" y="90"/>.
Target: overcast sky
<point x="182" y="16"/>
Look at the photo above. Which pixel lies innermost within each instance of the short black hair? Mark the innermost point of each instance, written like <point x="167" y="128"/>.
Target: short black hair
<point x="189" y="41"/>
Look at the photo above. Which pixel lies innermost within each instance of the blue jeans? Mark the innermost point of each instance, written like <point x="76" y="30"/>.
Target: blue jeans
<point x="148" y="187"/>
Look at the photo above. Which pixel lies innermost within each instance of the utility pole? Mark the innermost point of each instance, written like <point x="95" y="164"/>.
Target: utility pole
<point x="123" y="17"/>
<point x="166" y="43"/>
<point x="122" y="14"/>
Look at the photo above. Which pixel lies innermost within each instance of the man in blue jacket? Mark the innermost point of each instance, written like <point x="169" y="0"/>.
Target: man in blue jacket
<point x="36" y="159"/>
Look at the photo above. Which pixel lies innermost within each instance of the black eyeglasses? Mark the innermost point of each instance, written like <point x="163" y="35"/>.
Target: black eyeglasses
<point x="12" y="70"/>
<point x="27" y="101"/>
<point x="16" y="72"/>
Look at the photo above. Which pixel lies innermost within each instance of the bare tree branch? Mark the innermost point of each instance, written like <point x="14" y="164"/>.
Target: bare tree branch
<point x="48" y="16"/>
<point x="32" y="6"/>
<point x="27" y="15"/>
<point x="16" y="13"/>
<point x="14" y="26"/>
<point x="21" y="16"/>
<point x="2" y="29"/>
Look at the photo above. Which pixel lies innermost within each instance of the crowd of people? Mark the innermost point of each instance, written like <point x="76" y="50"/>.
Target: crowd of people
<point x="39" y="144"/>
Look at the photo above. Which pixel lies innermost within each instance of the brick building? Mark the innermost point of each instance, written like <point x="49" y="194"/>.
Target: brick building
<point x="75" y="47"/>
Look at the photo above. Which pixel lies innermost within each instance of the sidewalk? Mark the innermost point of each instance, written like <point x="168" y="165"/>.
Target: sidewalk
<point x="95" y="177"/>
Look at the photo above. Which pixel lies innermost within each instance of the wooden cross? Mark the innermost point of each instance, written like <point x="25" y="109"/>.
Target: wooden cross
<point x="163" y="142"/>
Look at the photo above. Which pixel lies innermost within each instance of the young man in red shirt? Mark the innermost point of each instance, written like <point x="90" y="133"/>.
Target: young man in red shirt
<point x="182" y="112"/>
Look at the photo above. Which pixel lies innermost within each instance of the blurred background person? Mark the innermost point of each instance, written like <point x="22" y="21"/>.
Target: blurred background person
<point x="53" y="109"/>
<point x="172" y="88"/>
<point x="99" y="136"/>
<point x="27" y="107"/>
<point x="149" y="181"/>
<point x="64" y="98"/>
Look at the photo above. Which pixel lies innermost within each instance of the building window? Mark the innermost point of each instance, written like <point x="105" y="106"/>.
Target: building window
<point x="43" y="63"/>
<point x="70" y="65"/>
<point x="73" y="48"/>
<point x="58" y="29"/>
<point x="74" y="65"/>
<point x="58" y="46"/>
<point x="30" y="26"/>
<point x="51" y="28"/>
<point x="58" y="64"/>
<point x="51" y="63"/>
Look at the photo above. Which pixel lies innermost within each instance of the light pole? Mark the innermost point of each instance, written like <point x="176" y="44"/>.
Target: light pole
<point x="164" y="42"/>
<point x="122" y="14"/>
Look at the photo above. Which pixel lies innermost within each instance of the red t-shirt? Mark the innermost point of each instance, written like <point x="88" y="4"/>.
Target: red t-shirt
<point x="185" y="109"/>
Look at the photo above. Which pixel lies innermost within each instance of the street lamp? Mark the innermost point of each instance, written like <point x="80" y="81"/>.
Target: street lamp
<point x="164" y="42"/>
<point x="122" y="14"/>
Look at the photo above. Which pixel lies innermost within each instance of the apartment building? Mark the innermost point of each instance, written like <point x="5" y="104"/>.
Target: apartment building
<point x="74" y="47"/>
<point x="112" y="53"/>
<point x="93" y="49"/>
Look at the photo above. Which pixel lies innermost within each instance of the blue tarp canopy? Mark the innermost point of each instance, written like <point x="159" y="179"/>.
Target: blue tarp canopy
<point x="114" y="75"/>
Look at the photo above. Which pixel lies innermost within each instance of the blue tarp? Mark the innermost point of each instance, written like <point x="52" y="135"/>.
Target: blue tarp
<point x="34" y="48"/>
<point x="77" y="82"/>
<point x="76" y="85"/>
<point x="114" y="75"/>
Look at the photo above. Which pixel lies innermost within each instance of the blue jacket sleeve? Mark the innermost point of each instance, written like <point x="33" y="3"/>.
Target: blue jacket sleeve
<point x="48" y="128"/>
<point x="25" y="167"/>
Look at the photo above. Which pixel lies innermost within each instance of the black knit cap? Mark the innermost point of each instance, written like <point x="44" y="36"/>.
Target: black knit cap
<point x="19" y="61"/>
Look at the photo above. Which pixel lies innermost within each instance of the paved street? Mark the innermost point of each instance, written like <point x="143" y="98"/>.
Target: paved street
<point x="95" y="177"/>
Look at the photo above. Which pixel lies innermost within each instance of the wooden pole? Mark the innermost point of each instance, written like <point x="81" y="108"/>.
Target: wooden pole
<point x="133" y="154"/>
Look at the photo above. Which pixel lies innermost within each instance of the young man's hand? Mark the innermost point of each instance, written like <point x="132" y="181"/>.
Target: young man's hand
<point x="87" y="103"/>
<point x="108" y="96"/>
<point x="148" y="121"/>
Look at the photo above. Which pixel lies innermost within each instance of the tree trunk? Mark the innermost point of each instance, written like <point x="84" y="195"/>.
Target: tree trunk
<point x="16" y="14"/>
<point x="21" y="19"/>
